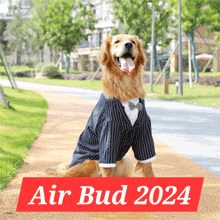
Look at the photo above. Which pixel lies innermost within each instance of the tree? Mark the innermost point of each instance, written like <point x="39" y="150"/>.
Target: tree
<point x="212" y="14"/>
<point x="22" y="29"/>
<point x="2" y="26"/>
<point x="136" y="16"/>
<point x="66" y="23"/>
<point x="39" y="7"/>
<point x="16" y="29"/>
<point x="193" y="16"/>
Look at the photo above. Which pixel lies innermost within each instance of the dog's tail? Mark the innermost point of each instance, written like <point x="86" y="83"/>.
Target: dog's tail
<point x="89" y="168"/>
<point x="59" y="170"/>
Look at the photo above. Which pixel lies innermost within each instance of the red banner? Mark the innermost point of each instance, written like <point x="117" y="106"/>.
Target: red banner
<point x="134" y="194"/>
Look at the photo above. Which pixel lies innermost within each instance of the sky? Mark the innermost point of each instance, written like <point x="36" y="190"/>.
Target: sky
<point x="4" y="5"/>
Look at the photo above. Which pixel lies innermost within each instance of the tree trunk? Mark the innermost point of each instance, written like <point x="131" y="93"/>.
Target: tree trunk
<point x="67" y="64"/>
<point x="2" y="98"/>
<point x="41" y="55"/>
<point x="7" y="69"/>
<point x="62" y="63"/>
<point x="16" y="56"/>
<point x="195" y="64"/>
<point x="166" y="81"/>
<point x="51" y="54"/>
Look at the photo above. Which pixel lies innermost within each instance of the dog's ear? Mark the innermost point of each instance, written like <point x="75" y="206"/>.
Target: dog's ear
<point x="141" y="56"/>
<point x="104" y="54"/>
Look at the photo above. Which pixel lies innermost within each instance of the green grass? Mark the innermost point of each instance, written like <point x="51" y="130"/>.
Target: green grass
<point x="74" y="71"/>
<point x="19" y="127"/>
<point x="15" y="69"/>
<point x="87" y="84"/>
<point x="212" y="74"/>
<point x="200" y="95"/>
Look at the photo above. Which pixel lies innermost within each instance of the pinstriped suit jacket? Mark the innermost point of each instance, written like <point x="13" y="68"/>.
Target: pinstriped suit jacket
<point x="109" y="134"/>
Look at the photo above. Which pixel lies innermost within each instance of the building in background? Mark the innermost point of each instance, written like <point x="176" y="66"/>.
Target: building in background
<point x="86" y="52"/>
<point x="83" y="58"/>
<point x="201" y="49"/>
<point x="26" y="54"/>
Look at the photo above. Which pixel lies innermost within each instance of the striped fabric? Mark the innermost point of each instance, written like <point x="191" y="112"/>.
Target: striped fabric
<point x="109" y="134"/>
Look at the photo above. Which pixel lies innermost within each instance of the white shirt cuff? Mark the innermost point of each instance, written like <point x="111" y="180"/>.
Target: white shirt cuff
<point x="148" y="160"/>
<point x="107" y="165"/>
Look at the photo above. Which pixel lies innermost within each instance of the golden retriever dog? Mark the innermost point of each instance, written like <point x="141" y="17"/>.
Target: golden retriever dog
<point x="116" y="123"/>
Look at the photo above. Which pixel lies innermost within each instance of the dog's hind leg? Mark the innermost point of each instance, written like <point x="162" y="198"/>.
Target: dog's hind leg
<point x="106" y="172"/>
<point x="146" y="169"/>
<point x="89" y="168"/>
<point x="124" y="167"/>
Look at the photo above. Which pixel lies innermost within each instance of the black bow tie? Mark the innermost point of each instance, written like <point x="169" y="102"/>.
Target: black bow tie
<point x="132" y="106"/>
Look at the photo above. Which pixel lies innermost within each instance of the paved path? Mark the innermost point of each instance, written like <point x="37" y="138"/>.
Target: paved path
<point x="194" y="131"/>
<point x="66" y="118"/>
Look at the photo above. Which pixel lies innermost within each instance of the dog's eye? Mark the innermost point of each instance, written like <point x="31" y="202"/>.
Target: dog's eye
<point x="116" y="42"/>
<point x="133" y="42"/>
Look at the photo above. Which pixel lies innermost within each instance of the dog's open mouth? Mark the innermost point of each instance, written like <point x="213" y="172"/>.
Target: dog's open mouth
<point x="126" y="62"/>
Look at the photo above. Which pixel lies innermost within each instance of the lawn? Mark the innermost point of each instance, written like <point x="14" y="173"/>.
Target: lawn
<point x="15" y="69"/>
<point x="200" y="95"/>
<point x="19" y="127"/>
<point x="210" y="74"/>
<point x="87" y="84"/>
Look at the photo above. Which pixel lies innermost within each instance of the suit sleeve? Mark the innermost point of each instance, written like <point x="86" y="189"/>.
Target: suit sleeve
<point x="143" y="144"/>
<point x="109" y="137"/>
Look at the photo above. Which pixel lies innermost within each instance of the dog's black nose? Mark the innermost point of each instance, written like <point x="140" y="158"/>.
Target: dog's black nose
<point x="128" y="45"/>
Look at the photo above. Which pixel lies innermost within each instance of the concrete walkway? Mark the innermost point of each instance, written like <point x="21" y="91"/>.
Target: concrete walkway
<point x="67" y="117"/>
<point x="193" y="131"/>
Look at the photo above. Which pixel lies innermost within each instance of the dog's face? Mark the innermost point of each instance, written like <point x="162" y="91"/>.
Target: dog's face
<point x="123" y="51"/>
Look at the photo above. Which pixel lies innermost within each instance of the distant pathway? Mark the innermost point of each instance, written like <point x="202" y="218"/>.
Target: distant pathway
<point x="66" y="118"/>
<point x="194" y="131"/>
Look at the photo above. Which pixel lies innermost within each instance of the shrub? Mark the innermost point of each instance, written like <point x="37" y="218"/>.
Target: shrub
<point x="39" y="66"/>
<point x="81" y="76"/>
<point x="7" y="53"/>
<point x="24" y="74"/>
<point x="19" y="74"/>
<point x="50" y="70"/>
<point x="70" y="71"/>
<point x="2" y="72"/>
<point x="97" y="77"/>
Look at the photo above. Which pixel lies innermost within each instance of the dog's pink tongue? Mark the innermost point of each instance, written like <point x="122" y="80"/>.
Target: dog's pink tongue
<point x="127" y="64"/>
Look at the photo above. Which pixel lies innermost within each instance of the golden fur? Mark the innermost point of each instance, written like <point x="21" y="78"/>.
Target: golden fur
<point x="90" y="168"/>
<point x="116" y="83"/>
